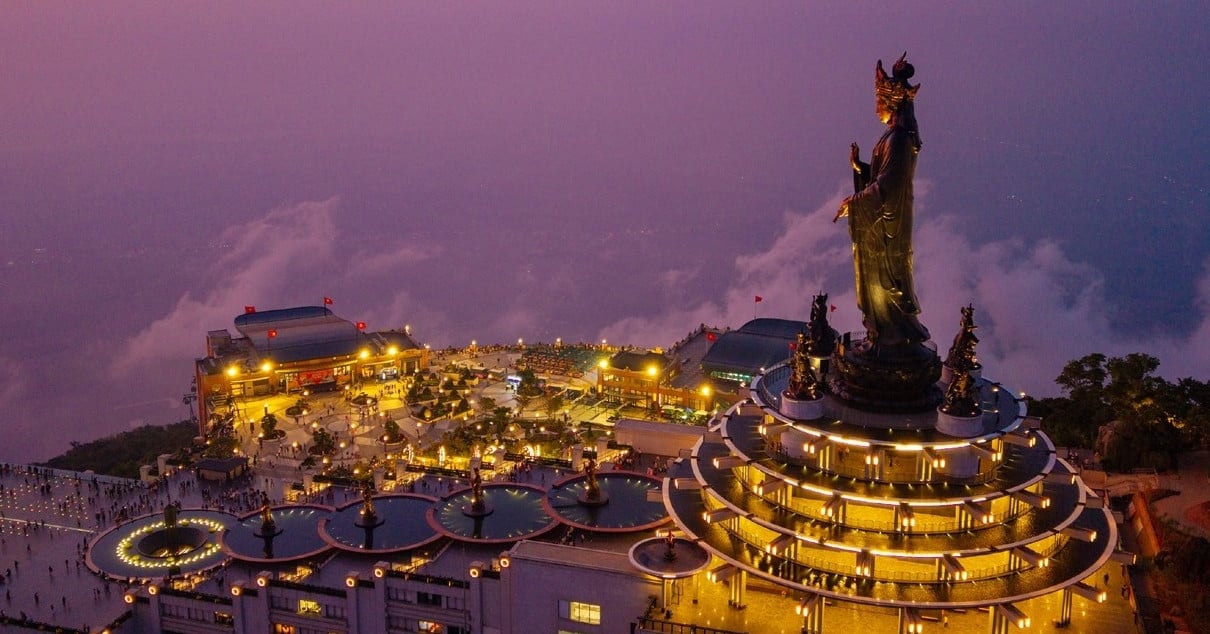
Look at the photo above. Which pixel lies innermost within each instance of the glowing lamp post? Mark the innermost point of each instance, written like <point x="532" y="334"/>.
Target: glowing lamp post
<point x="654" y="373"/>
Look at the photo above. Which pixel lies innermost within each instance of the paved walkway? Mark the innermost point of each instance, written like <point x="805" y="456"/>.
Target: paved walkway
<point x="47" y="518"/>
<point x="47" y="521"/>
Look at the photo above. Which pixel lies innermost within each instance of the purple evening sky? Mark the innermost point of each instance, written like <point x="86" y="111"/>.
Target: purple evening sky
<point x="578" y="170"/>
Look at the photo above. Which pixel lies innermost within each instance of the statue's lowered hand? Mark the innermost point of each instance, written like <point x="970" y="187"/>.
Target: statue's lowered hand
<point x="843" y="211"/>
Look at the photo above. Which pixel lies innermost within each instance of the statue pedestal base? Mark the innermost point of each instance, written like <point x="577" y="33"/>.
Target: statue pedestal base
<point x="801" y="409"/>
<point x="947" y="374"/>
<point x="599" y="500"/>
<point x="267" y="531"/>
<point x="472" y="510"/>
<point x="959" y="426"/>
<point x="370" y="522"/>
<point x="891" y="379"/>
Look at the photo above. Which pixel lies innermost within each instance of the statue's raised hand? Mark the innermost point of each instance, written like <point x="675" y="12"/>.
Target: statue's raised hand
<point x="855" y="157"/>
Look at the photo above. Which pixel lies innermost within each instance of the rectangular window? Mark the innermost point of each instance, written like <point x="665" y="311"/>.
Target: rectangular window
<point x="308" y="607"/>
<point x="222" y="618"/>
<point x="424" y="598"/>
<point x="589" y="613"/>
<point x="401" y="622"/>
<point x="283" y="628"/>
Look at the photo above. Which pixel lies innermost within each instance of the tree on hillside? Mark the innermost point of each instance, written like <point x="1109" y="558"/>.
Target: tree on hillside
<point x="1133" y="392"/>
<point x="1191" y="402"/>
<point x="1141" y="406"/>
<point x="121" y="455"/>
<point x="1119" y="405"/>
<point x="1073" y="420"/>
<point x="1084" y="378"/>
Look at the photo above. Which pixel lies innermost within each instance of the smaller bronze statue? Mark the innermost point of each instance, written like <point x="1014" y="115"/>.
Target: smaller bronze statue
<point x="170" y="519"/>
<point x="170" y="513"/>
<point x="267" y="525"/>
<point x="961" y="357"/>
<point x="368" y="515"/>
<point x="670" y="547"/>
<point x="478" y="505"/>
<point x="594" y="488"/>
<point x="592" y="495"/>
<point x="821" y="339"/>
<point x="803" y="384"/>
<point x="961" y="397"/>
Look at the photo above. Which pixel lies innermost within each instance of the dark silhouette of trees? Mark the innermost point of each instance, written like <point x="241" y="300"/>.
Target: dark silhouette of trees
<point x="1131" y="416"/>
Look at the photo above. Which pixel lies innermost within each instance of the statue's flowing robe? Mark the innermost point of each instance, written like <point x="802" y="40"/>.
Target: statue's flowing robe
<point x="880" y="224"/>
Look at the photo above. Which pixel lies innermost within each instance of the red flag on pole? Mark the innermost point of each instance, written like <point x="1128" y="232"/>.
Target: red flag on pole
<point x="327" y="301"/>
<point x="759" y="299"/>
<point x="248" y="310"/>
<point x="832" y="308"/>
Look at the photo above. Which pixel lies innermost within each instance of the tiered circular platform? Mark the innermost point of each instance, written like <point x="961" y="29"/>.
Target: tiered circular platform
<point x="886" y="510"/>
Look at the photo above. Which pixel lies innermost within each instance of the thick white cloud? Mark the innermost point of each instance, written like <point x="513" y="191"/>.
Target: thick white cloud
<point x="395" y="261"/>
<point x="262" y="259"/>
<point x="269" y="261"/>
<point x="1036" y="308"/>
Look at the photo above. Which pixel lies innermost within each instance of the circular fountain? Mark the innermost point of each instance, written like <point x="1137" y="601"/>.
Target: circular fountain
<point x="624" y="502"/>
<point x="284" y="533"/>
<point x="516" y="513"/>
<point x="159" y="545"/>
<point x="397" y="524"/>
<point x="669" y="557"/>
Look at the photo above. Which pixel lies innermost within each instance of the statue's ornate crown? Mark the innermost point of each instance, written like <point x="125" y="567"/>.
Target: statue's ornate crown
<point x="895" y="88"/>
